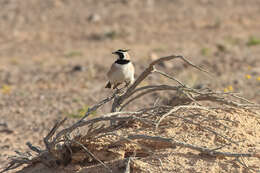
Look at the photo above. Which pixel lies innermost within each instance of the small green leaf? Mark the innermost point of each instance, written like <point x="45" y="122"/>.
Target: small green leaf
<point x="205" y="51"/>
<point x="253" y="41"/>
<point x="73" y="54"/>
<point x="81" y="113"/>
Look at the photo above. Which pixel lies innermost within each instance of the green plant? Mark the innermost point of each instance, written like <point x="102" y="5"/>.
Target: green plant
<point x="253" y="41"/>
<point x="73" y="54"/>
<point x="80" y="113"/>
<point x="205" y="51"/>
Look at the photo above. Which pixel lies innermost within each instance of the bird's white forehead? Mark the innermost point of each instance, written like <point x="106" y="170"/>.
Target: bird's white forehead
<point x="125" y="54"/>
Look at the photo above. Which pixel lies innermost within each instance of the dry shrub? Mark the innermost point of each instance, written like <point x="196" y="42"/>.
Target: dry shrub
<point x="198" y="123"/>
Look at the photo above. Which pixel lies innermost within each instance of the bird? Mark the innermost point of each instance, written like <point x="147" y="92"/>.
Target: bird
<point x="121" y="71"/>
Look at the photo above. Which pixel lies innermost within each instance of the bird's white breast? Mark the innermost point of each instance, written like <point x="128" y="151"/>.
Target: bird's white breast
<point x="121" y="72"/>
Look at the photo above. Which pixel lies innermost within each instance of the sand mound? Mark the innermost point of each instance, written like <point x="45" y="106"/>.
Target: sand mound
<point x="225" y="130"/>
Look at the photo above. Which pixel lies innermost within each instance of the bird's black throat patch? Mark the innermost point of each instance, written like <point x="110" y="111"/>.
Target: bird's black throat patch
<point x="122" y="61"/>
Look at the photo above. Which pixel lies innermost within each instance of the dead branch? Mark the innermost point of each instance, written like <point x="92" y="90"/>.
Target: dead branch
<point x="168" y="76"/>
<point x="175" y="109"/>
<point x="101" y="103"/>
<point x="106" y="117"/>
<point x="208" y="129"/>
<point x="211" y="152"/>
<point x="34" y="148"/>
<point x="127" y="168"/>
<point x="15" y="163"/>
<point x="92" y="155"/>
<point x="173" y="143"/>
<point x="157" y="88"/>
<point x="51" y="133"/>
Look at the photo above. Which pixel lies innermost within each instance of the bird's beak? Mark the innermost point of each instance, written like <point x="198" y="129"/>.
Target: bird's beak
<point x="113" y="52"/>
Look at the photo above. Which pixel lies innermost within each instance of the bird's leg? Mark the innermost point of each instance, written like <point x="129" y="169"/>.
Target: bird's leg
<point x="116" y="85"/>
<point x="127" y="83"/>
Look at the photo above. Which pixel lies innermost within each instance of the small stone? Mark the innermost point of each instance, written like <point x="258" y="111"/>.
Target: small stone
<point x="94" y="18"/>
<point x="77" y="68"/>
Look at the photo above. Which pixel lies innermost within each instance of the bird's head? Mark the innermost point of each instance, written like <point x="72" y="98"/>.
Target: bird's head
<point x="122" y="54"/>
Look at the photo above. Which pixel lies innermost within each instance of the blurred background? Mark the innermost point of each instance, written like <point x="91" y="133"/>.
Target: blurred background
<point x="54" y="55"/>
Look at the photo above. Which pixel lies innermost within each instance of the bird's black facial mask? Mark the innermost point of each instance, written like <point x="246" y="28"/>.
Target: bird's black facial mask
<point x="122" y="61"/>
<point x="120" y="55"/>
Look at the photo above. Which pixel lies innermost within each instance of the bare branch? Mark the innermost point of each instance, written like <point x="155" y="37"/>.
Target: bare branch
<point x="175" y="109"/>
<point x="33" y="148"/>
<point x="168" y="76"/>
<point x="204" y="150"/>
<point x="159" y="88"/>
<point x="127" y="168"/>
<point x="92" y="155"/>
<point x="106" y="117"/>
<point x="51" y="133"/>
<point x="101" y="103"/>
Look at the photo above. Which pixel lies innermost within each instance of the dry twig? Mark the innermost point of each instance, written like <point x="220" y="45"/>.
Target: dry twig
<point x="211" y="152"/>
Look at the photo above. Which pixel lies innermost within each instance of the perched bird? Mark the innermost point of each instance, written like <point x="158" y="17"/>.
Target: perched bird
<point x="122" y="70"/>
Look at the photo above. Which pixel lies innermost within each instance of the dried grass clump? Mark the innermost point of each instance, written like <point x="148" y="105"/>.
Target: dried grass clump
<point x="203" y="121"/>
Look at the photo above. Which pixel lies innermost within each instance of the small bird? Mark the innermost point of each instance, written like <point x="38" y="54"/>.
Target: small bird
<point x="122" y="70"/>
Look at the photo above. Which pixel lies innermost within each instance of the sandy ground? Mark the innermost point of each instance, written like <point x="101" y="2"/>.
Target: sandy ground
<point x="54" y="55"/>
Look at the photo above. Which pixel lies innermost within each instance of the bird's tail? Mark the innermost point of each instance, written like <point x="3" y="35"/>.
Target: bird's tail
<point x="108" y="85"/>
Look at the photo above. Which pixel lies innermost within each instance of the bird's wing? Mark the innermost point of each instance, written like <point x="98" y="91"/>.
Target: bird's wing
<point x="132" y="68"/>
<point x="112" y="70"/>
